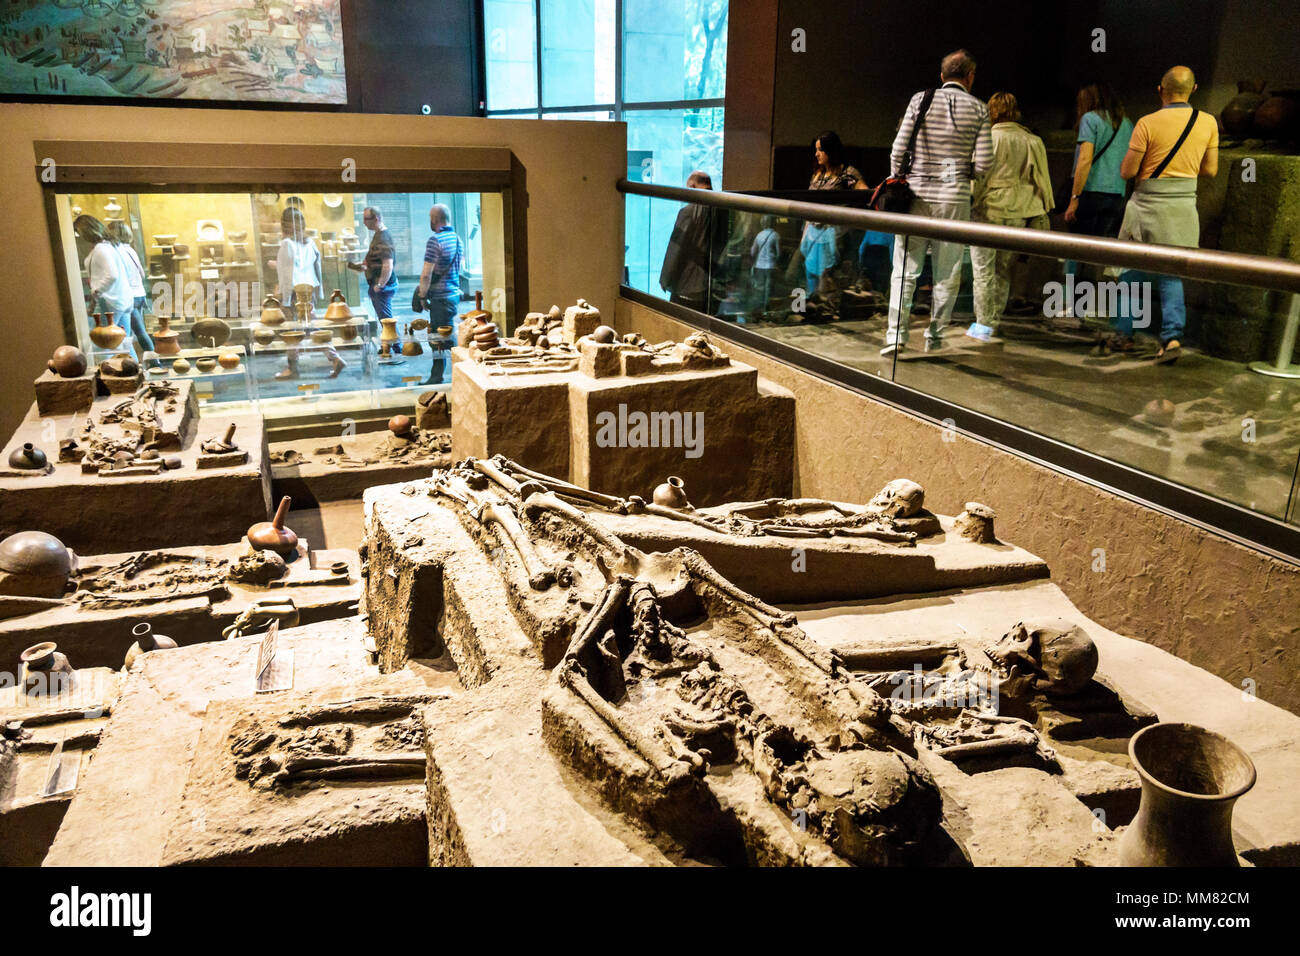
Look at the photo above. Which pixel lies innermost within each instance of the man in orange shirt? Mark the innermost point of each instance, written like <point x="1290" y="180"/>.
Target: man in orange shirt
<point x="1168" y="151"/>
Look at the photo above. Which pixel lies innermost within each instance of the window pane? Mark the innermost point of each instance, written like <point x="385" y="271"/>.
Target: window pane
<point x="577" y="52"/>
<point x="673" y="143"/>
<point x="602" y="115"/>
<point x="674" y="49"/>
<point x="510" y="44"/>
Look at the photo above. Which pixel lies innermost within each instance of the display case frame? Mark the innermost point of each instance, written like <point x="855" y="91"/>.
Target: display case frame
<point x="87" y="166"/>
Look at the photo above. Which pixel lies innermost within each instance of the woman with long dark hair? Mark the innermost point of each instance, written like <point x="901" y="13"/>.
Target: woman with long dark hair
<point x="1096" y="206"/>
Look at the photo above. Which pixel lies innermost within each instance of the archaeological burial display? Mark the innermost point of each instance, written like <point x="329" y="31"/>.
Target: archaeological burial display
<point x="606" y="650"/>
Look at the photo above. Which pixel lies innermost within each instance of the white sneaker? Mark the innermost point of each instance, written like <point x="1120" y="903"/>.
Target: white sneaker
<point x="889" y="350"/>
<point x="983" y="333"/>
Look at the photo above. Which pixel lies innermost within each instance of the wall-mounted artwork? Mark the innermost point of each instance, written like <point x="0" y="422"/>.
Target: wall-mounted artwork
<point x="287" y="51"/>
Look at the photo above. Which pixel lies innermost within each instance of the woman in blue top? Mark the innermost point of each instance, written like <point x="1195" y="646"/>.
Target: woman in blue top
<point x="1096" y="205"/>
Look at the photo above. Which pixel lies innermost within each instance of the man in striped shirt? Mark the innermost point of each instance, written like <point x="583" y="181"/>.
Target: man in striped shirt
<point x="954" y="145"/>
<point x="444" y="254"/>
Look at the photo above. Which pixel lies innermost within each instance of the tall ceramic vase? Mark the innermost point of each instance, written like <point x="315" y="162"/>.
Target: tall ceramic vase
<point x="388" y="337"/>
<point x="166" y="341"/>
<point x="1191" y="779"/>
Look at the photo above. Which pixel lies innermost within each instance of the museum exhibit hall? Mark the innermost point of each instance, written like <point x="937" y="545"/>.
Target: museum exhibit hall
<point x="594" y="433"/>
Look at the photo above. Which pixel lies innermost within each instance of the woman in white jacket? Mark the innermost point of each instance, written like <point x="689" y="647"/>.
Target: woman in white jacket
<point x="123" y="238"/>
<point x="298" y="267"/>
<point x="110" y="290"/>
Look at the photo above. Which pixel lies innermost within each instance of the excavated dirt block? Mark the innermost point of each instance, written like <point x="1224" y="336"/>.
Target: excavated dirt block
<point x="56" y="395"/>
<point x="524" y="417"/>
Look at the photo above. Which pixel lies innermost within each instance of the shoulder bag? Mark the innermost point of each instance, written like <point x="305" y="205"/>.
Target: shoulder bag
<point x="895" y="193"/>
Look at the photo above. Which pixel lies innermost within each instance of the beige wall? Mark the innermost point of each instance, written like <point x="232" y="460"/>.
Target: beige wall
<point x="1221" y="606"/>
<point x="574" y="217"/>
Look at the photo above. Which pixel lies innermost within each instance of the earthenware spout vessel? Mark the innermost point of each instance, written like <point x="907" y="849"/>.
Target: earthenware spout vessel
<point x="337" y="310"/>
<point x="166" y="341"/>
<point x="1191" y="779"/>
<point x="273" y="535"/>
<point x="672" y="493"/>
<point x="27" y="457"/>
<point x="145" y="641"/>
<point x="105" y="334"/>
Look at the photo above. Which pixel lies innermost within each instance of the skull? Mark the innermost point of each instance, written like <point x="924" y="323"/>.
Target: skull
<point x="1055" y="656"/>
<point x="901" y="498"/>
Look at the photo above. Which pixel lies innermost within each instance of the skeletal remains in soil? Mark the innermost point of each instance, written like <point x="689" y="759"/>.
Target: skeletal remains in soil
<point x="655" y="659"/>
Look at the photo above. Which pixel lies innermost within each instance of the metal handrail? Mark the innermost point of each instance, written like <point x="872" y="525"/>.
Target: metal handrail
<point x="1235" y="268"/>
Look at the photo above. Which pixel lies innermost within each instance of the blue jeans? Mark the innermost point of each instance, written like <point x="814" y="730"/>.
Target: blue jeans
<point x="383" y="301"/>
<point x="1173" y="311"/>
<point x="137" y="325"/>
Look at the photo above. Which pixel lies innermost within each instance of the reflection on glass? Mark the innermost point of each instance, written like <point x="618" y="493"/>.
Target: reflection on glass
<point x="1206" y="421"/>
<point x="674" y="50"/>
<point x="577" y="52"/>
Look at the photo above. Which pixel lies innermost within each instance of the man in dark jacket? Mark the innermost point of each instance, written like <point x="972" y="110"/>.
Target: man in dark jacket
<point x="692" y="254"/>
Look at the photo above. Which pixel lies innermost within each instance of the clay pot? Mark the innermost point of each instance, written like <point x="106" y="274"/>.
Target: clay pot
<point x="418" y="325"/>
<point x="166" y="340"/>
<point x="348" y="331"/>
<point x="263" y="336"/>
<point x="337" y="310"/>
<point x="604" y="335"/>
<point x="322" y="336"/>
<point x="27" y="458"/>
<point x="68" y="361"/>
<point x="672" y="493"/>
<point x="35" y="564"/>
<point x="444" y="331"/>
<point x="388" y="336"/>
<point x="205" y="364"/>
<point x="120" y="365"/>
<point x="45" y="672"/>
<point x="411" y="346"/>
<point x="105" y="334"/>
<point x="157" y="370"/>
<point x="228" y="360"/>
<point x="272" y="311"/>
<point x="1239" y="115"/>
<point x="180" y="366"/>
<point x="273" y="535"/>
<point x="1278" y="117"/>
<point x="145" y="641"/>
<point x="292" y="336"/>
<point x="1191" y="778"/>
<point x="211" y="332"/>
<point x="400" y="425"/>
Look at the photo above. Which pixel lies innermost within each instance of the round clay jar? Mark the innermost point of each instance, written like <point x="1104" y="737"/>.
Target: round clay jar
<point x="68" y="361"/>
<point x="180" y="366"/>
<point x="400" y="425"/>
<point x="206" y="364"/>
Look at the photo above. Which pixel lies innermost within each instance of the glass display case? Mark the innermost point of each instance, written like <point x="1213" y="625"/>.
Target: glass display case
<point x="211" y="259"/>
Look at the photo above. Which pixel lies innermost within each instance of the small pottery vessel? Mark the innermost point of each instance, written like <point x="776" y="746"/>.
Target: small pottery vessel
<point x="672" y="493"/>
<point x="180" y="366"/>
<point x="273" y="535"/>
<point x="205" y="364"/>
<point x="272" y="311"/>
<point x="1191" y="778"/>
<point x="166" y="339"/>
<point x="105" y="334"/>
<point x="388" y="336"/>
<point x="145" y="641"/>
<point x="211" y="332"/>
<point x="228" y="360"/>
<point x="411" y="346"/>
<point x="292" y="336"/>
<point x="1278" y="117"/>
<point x="27" y="458"/>
<point x="400" y="425"/>
<point x="322" y="336"/>
<point x="1239" y="115"/>
<point x="45" y="671"/>
<point x="68" y="361"/>
<point x="444" y="331"/>
<point x="348" y="331"/>
<point x="263" y="336"/>
<point x="418" y="325"/>
<point x="337" y="310"/>
<point x="604" y="334"/>
<point x="120" y="365"/>
<point x="158" y="370"/>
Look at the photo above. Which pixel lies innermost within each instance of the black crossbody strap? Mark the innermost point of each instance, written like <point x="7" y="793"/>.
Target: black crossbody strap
<point x="1113" y="134"/>
<point x="906" y="166"/>
<point x="1177" y="146"/>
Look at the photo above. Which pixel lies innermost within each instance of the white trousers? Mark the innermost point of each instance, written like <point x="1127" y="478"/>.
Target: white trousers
<point x="992" y="271"/>
<point x="909" y="259"/>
